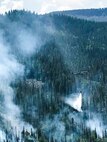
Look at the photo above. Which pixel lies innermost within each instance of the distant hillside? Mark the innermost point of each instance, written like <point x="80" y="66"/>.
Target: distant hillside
<point x="89" y="14"/>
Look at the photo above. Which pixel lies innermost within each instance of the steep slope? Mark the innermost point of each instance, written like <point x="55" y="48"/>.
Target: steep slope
<point x="61" y="56"/>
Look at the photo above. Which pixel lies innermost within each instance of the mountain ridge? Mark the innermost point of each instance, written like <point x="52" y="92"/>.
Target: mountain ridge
<point x="99" y="15"/>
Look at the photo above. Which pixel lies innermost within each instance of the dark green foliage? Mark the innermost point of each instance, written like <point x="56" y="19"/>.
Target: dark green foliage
<point x="85" y="12"/>
<point x="69" y="50"/>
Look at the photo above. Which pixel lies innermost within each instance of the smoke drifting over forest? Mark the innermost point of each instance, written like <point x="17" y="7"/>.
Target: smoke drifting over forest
<point x="45" y="62"/>
<point x="10" y="69"/>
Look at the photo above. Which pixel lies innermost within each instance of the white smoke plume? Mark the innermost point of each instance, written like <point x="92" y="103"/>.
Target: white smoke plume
<point x="10" y="70"/>
<point x="75" y="101"/>
<point x="2" y="135"/>
<point x="95" y="124"/>
<point x="28" y="43"/>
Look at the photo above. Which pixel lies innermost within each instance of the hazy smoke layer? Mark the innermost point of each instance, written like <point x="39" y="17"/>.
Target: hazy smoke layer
<point x="10" y="70"/>
<point x="28" y="43"/>
<point x="95" y="124"/>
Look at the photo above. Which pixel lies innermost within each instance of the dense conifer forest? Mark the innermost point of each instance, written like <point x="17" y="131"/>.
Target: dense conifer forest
<point x="61" y="57"/>
<point x="93" y="14"/>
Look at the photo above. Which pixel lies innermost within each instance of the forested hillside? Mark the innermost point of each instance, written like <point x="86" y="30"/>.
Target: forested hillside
<point x="60" y="57"/>
<point x="98" y="15"/>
